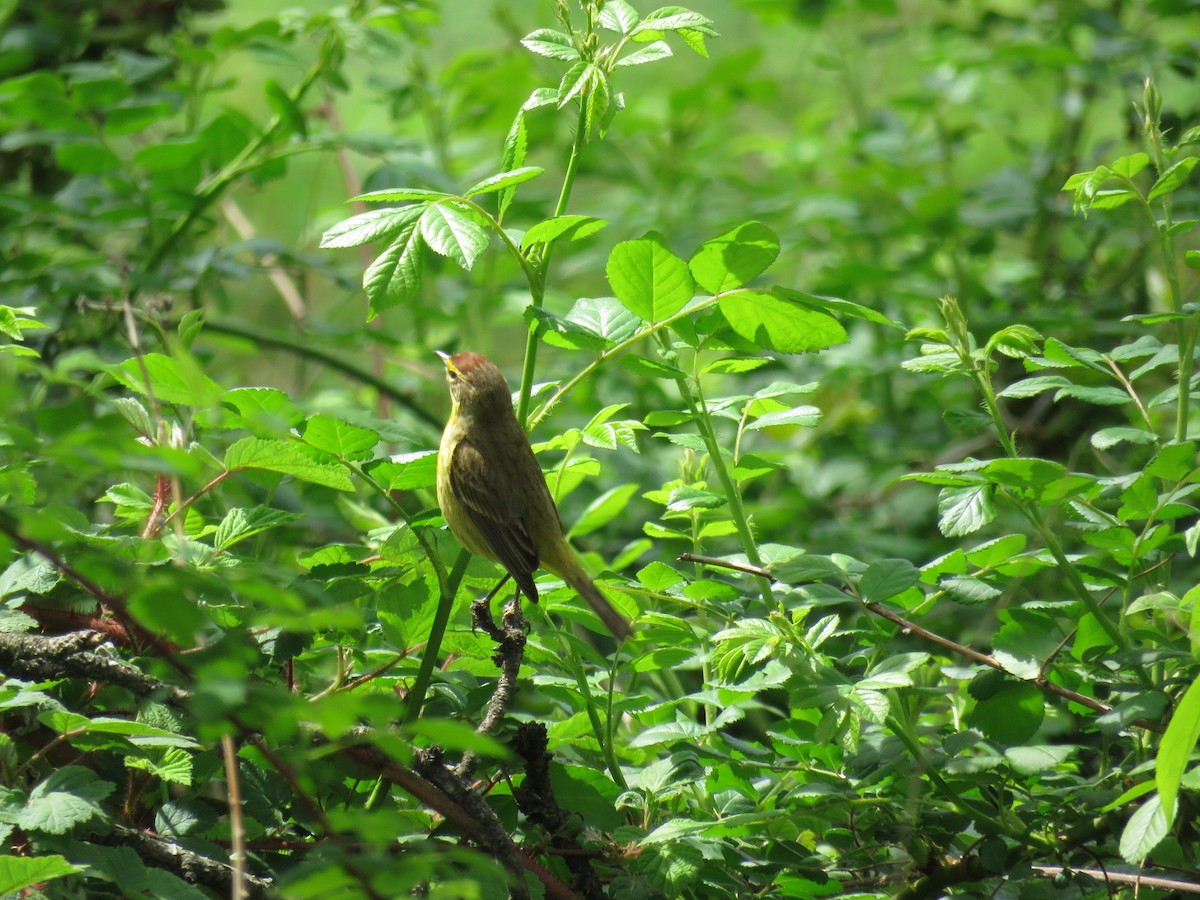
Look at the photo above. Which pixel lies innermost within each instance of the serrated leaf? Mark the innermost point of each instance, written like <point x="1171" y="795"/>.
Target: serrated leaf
<point x="1176" y="749"/>
<point x="964" y="510"/>
<point x="340" y="439"/>
<point x="373" y="225"/>
<point x="996" y="552"/>
<point x="603" y="510"/>
<point x="1106" y="438"/>
<point x="286" y="458"/>
<point x="968" y="589"/>
<point x="672" y="18"/>
<point x="407" y="471"/>
<point x="451" y="233"/>
<point x="618" y="16"/>
<point x="1037" y="384"/>
<point x="834" y="306"/>
<point x="887" y="578"/>
<point x="577" y="78"/>
<point x="1171" y="179"/>
<point x="1039" y="758"/>
<point x="168" y="380"/>
<point x="778" y="324"/>
<point x="550" y="44"/>
<point x="806" y="416"/>
<point x="68" y="797"/>
<point x="570" y="227"/>
<point x="20" y="872"/>
<point x="1099" y="395"/>
<point x="401" y="195"/>
<point x="504" y="180"/>
<point x="285" y="107"/>
<point x="1144" y="831"/>
<point x="735" y="258"/>
<point x="1011" y="715"/>
<point x="395" y="275"/>
<point x="240" y="524"/>
<point x="647" y="54"/>
<point x="649" y="280"/>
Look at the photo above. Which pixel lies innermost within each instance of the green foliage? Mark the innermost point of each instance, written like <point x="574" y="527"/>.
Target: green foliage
<point x="916" y="610"/>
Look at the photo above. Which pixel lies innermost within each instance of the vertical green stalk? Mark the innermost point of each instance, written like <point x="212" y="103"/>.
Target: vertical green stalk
<point x="541" y="263"/>
<point x="1185" y="328"/>
<point x="699" y="410"/>
<point x="977" y="368"/>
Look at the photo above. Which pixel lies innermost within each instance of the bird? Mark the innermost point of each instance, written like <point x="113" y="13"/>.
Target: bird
<point x="492" y="492"/>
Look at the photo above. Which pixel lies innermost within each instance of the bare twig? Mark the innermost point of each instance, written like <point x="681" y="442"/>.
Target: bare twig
<point x="237" y="831"/>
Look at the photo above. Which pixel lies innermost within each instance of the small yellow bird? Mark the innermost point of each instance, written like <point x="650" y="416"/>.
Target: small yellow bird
<point x="492" y="492"/>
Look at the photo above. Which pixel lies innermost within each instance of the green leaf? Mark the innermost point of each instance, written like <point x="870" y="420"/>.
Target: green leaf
<point x="285" y="107"/>
<point x="603" y="510"/>
<point x="649" y="53"/>
<point x="618" y="16"/>
<point x="773" y="323"/>
<point x="994" y="553"/>
<point x="649" y="280"/>
<point x="887" y="578"/>
<point x="68" y="797"/>
<point x="592" y="324"/>
<point x="1176" y="749"/>
<point x="1037" y="384"/>
<point x="286" y="458"/>
<point x="407" y="471"/>
<point x="1128" y="166"/>
<point x="400" y="195"/>
<point x="807" y="416"/>
<point x="1017" y="341"/>
<point x="169" y="155"/>
<point x="1098" y="395"/>
<point x="505" y="180"/>
<point x="240" y="524"/>
<point x="1171" y="179"/>
<point x="1037" y="759"/>
<point x="572" y="228"/>
<point x="90" y="158"/>
<point x="263" y="409"/>
<point x="1144" y="831"/>
<point x="734" y="258"/>
<point x="452" y="233"/>
<point x="1011" y="715"/>
<point x="170" y="764"/>
<point x="1026" y="639"/>
<point x="340" y="439"/>
<point x="168" y="380"/>
<point x="373" y="225"/>
<point x="574" y="82"/>
<point x="968" y="589"/>
<point x="1107" y="438"/>
<point x="1030" y="472"/>
<point x="551" y="44"/>
<point x="834" y="306"/>
<point x="964" y="510"/>
<point x="1173" y="462"/>
<point x="20" y="872"/>
<point x="395" y="275"/>
<point x="672" y="18"/>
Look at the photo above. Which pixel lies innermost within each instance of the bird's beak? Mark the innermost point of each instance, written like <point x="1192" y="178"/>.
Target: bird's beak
<point x="444" y="355"/>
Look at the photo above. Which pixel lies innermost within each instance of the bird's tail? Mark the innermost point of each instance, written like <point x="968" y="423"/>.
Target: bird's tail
<point x="586" y="588"/>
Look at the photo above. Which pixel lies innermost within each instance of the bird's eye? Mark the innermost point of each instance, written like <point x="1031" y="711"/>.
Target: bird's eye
<point x="451" y="375"/>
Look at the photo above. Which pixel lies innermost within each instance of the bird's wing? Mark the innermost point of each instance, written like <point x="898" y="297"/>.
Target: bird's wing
<point x="497" y="509"/>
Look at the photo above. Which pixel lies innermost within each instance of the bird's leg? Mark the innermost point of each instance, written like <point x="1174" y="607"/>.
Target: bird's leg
<point x="481" y="612"/>
<point x="512" y="614"/>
